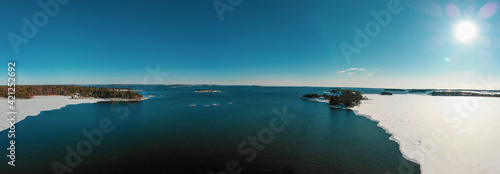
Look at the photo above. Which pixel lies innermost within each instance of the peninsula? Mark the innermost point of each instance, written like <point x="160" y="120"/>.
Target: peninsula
<point x="33" y="99"/>
<point x="74" y="91"/>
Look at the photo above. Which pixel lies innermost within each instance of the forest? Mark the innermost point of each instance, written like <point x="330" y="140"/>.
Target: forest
<point x="460" y="93"/>
<point x="327" y="97"/>
<point x="28" y="91"/>
<point x="346" y="97"/>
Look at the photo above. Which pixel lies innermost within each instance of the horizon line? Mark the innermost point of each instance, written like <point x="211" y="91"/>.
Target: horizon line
<point x="181" y="84"/>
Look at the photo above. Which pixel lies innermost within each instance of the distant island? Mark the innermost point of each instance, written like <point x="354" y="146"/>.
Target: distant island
<point x="190" y="85"/>
<point x="340" y="98"/>
<point x="394" y="89"/>
<point x="75" y="91"/>
<point x="113" y="85"/>
<point x="206" y="90"/>
<point x="462" y="93"/>
<point x="180" y="85"/>
<point x="385" y="93"/>
<point x="419" y="90"/>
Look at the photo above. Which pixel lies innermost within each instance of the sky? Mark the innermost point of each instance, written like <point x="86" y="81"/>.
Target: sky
<point x="257" y="42"/>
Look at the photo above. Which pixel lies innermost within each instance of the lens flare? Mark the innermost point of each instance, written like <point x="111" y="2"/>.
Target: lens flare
<point x="465" y="31"/>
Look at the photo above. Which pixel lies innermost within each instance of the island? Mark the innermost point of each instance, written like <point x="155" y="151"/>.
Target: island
<point x="113" y="85"/>
<point x="401" y="90"/>
<point x="463" y="93"/>
<point x="206" y="91"/>
<point x="180" y="85"/>
<point x="340" y="98"/>
<point x="74" y="91"/>
<point x="385" y="93"/>
<point x="191" y="85"/>
<point x="419" y="90"/>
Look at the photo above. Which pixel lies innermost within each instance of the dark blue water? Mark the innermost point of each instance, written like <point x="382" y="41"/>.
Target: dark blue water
<point x="166" y="135"/>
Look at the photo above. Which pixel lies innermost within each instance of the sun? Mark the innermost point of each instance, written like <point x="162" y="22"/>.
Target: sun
<point x="465" y="31"/>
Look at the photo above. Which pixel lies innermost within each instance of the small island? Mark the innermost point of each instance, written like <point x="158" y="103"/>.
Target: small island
<point x="419" y="90"/>
<point x="400" y="90"/>
<point x="206" y="91"/>
<point x="180" y="85"/>
<point x="385" y="93"/>
<point x="340" y="98"/>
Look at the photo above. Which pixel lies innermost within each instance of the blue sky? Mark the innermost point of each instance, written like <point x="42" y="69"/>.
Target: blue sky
<point x="279" y="43"/>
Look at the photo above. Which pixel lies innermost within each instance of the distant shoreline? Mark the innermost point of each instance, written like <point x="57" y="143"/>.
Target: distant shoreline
<point x="207" y="91"/>
<point x="198" y="85"/>
<point x="75" y="91"/>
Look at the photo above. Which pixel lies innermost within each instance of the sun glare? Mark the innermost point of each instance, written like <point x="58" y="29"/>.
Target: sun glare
<point x="465" y="31"/>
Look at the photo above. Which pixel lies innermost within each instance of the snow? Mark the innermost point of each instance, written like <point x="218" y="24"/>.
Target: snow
<point x="442" y="134"/>
<point x="33" y="107"/>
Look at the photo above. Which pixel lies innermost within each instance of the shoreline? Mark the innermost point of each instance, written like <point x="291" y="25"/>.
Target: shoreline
<point x="429" y="134"/>
<point x="33" y="107"/>
<point x="405" y="156"/>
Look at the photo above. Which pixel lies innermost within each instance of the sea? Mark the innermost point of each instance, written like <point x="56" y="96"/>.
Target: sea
<point x="242" y="129"/>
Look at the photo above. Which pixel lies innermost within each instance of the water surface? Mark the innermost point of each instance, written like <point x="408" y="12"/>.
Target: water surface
<point x="166" y="135"/>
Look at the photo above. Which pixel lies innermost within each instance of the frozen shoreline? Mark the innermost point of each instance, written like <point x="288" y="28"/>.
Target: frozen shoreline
<point x="33" y="107"/>
<point x="442" y="134"/>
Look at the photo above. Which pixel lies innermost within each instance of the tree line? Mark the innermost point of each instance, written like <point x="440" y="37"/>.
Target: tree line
<point x="460" y="93"/>
<point x="28" y="91"/>
<point x="348" y="98"/>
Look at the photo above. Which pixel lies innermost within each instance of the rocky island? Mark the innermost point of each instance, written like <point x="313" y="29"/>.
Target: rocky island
<point x="385" y="93"/>
<point x="399" y="90"/>
<point x="206" y="91"/>
<point x="339" y="98"/>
